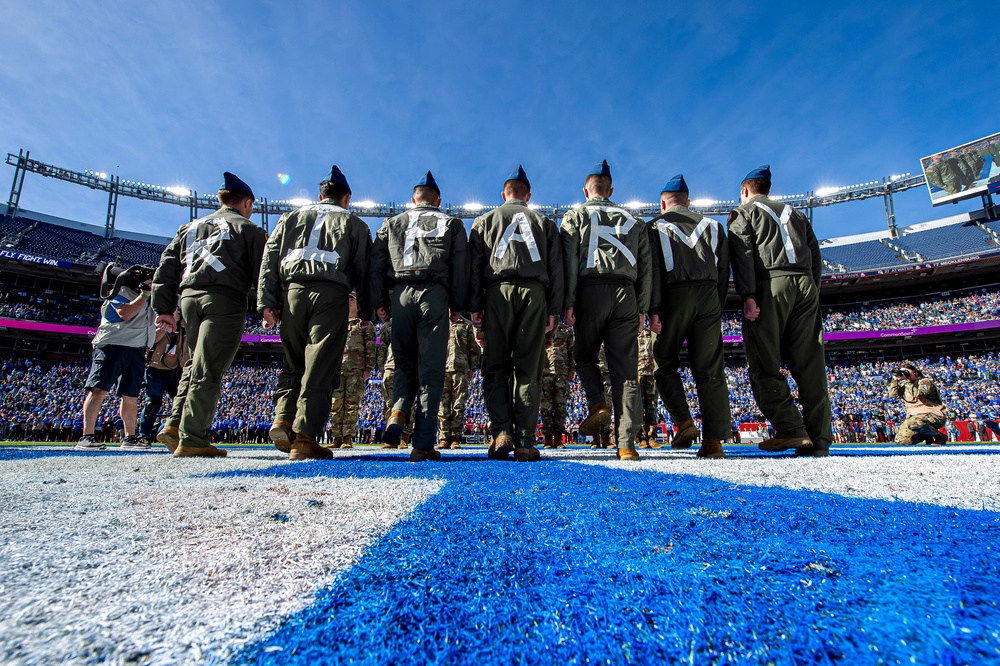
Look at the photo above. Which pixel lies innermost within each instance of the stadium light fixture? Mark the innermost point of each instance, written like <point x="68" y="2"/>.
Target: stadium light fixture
<point x="633" y="205"/>
<point x="102" y="176"/>
<point x="704" y="202"/>
<point x="473" y="207"/>
<point x="179" y="191"/>
<point x="827" y="191"/>
<point x="300" y="202"/>
<point x="411" y="205"/>
<point x="367" y="204"/>
<point x="533" y="206"/>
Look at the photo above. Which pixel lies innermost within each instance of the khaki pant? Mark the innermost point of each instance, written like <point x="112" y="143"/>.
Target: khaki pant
<point x="609" y="313"/>
<point x="313" y="334"/>
<point x="214" y="324"/>
<point x="789" y="331"/>
<point x="693" y="313"/>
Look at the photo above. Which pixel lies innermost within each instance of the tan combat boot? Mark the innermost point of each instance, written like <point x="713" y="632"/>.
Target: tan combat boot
<point x="598" y="416"/>
<point x="281" y="434"/>
<point x="686" y="434"/>
<point x="207" y="451"/>
<point x="456" y="442"/>
<point x="526" y="454"/>
<point x="169" y="436"/>
<point x="305" y="448"/>
<point x="442" y="444"/>
<point x="711" y="448"/>
<point x="500" y="447"/>
<point x="628" y="453"/>
<point x="347" y="442"/>
<point x="785" y="443"/>
<point x="420" y="455"/>
<point x="394" y="429"/>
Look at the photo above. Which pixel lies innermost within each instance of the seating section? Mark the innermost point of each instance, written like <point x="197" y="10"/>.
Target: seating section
<point x="55" y="242"/>
<point x="130" y="252"/>
<point x="12" y="225"/>
<point x="954" y="240"/>
<point x="867" y="255"/>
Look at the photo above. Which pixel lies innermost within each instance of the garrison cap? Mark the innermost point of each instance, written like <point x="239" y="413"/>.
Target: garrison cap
<point x="676" y="184"/>
<point x="428" y="181"/>
<point x="601" y="169"/>
<point x="519" y="175"/>
<point x="233" y="183"/>
<point x="763" y="171"/>
<point x="337" y="176"/>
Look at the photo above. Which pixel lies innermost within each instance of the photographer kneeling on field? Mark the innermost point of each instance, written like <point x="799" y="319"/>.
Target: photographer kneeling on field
<point x="925" y="415"/>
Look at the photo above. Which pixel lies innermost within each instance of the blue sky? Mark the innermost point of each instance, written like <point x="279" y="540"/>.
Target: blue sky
<point x="174" y="93"/>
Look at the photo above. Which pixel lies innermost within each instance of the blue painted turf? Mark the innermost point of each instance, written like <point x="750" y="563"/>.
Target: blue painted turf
<point x="560" y="563"/>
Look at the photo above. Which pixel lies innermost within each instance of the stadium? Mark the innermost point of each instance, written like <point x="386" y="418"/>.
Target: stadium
<point x="116" y="123"/>
<point x="873" y="320"/>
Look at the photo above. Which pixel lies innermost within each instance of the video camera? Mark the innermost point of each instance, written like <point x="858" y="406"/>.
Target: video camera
<point x="115" y="277"/>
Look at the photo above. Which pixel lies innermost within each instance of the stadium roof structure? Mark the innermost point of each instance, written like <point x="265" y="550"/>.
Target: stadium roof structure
<point x="115" y="186"/>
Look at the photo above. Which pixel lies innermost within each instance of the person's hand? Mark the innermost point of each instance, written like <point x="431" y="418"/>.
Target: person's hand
<point x="569" y="316"/>
<point x="477" y="319"/>
<point x="166" y="322"/>
<point x="455" y="316"/>
<point x="550" y="324"/>
<point x="383" y="314"/>
<point x="655" y="325"/>
<point x="271" y="318"/>
<point x="365" y="323"/>
<point x="750" y="309"/>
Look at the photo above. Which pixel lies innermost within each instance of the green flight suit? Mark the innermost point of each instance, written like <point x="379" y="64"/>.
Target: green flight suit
<point x="315" y="257"/>
<point x="775" y="259"/>
<point x="690" y="281"/>
<point x="211" y="265"/>
<point x="608" y="282"/>
<point x="419" y="269"/>
<point x="516" y="282"/>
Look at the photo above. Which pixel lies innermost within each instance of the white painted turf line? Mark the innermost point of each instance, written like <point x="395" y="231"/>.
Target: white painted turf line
<point x="132" y="558"/>
<point x="965" y="481"/>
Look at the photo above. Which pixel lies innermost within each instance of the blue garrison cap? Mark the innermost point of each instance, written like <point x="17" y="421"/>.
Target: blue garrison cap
<point x="428" y="181"/>
<point x="676" y="184"/>
<point x="337" y="176"/>
<point x="601" y="169"/>
<point x="233" y="183"/>
<point x="763" y="171"/>
<point x="518" y="174"/>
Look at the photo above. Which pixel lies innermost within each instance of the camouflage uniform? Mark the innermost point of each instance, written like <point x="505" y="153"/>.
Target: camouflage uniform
<point x="647" y="391"/>
<point x="463" y="357"/>
<point x="925" y="415"/>
<point x="359" y="358"/>
<point x="944" y="175"/>
<point x="555" y="382"/>
<point x="387" y="368"/>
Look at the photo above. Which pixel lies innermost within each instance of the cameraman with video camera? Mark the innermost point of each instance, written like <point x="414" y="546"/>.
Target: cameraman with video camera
<point x="925" y="414"/>
<point x="118" y="361"/>
<point x="164" y="363"/>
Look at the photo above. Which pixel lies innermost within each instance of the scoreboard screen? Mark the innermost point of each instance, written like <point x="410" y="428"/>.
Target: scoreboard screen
<point x="963" y="172"/>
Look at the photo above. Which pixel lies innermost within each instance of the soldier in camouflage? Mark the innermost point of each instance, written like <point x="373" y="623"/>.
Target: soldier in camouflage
<point x="944" y="174"/>
<point x="776" y="270"/>
<point x="558" y="372"/>
<point x="355" y="368"/>
<point x="315" y="257"/>
<point x="925" y="413"/>
<point x="463" y="357"/>
<point x="606" y="254"/>
<point x="647" y="389"/>
<point x="212" y="265"/>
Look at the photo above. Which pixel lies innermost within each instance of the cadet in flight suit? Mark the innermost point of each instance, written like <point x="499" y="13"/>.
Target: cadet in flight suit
<point x="690" y="281"/>
<point x="606" y="254"/>
<point x="212" y="265"/>
<point x="516" y="293"/>
<point x="558" y="372"/>
<point x="315" y="257"/>
<point x="776" y="268"/>
<point x="355" y="368"/>
<point x="419" y="269"/>
<point x="463" y="357"/>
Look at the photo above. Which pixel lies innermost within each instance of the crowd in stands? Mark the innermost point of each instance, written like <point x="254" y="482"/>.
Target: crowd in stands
<point x="982" y="304"/>
<point x="974" y="305"/>
<point x="41" y="399"/>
